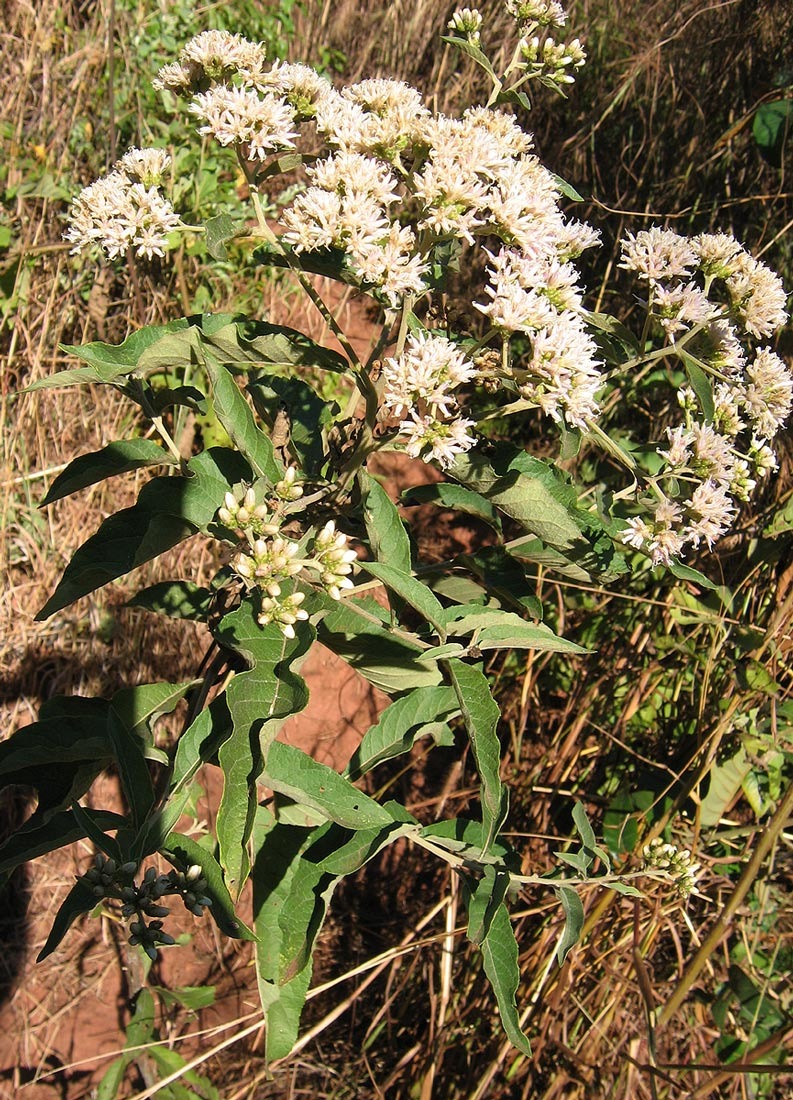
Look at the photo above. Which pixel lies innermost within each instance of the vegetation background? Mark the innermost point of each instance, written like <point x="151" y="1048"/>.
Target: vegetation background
<point x="679" y="720"/>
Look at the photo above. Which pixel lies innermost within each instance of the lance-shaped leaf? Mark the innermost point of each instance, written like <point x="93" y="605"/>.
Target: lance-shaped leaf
<point x="79" y="900"/>
<point x="293" y="773"/>
<point x="412" y="591"/>
<point x="573" y="921"/>
<point x="139" y="706"/>
<point x="183" y="852"/>
<point x="387" y="535"/>
<point x="456" y="497"/>
<point x="169" y="510"/>
<point x="259" y="699"/>
<point x="480" y="714"/>
<point x="483" y="900"/>
<point x="116" y="458"/>
<point x="35" y="838"/>
<point x="234" y="413"/>
<point x="132" y="768"/>
<point x="399" y="725"/>
<point x="500" y="958"/>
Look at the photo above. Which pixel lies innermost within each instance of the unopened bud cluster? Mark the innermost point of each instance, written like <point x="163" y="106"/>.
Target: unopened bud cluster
<point x="270" y="560"/>
<point x="467" y="22"/>
<point x="675" y="862"/>
<point x="107" y="880"/>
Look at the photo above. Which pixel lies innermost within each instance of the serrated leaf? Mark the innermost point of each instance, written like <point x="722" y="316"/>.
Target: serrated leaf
<point x="78" y="901"/>
<point x="234" y="413"/>
<point x="183" y="852"/>
<point x="169" y="510"/>
<point x="293" y="773"/>
<point x="500" y="958"/>
<point x="410" y="590"/>
<point x="116" y="458"/>
<point x="219" y="230"/>
<point x="398" y="726"/>
<point x="574" y="921"/>
<point x="481" y="714"/>
<point x="388" y="538"/>
<point x="176" y="599"/>
<point x="448" y="495"/>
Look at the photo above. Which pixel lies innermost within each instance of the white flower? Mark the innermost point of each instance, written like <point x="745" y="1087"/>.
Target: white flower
<point x="769" y="394"/>
<point x="260" y="124"/>
<point x="657" y="254"/>
<point x="757" y="295"/>
<point x="117" y="215"/>
<point x="444" y="439"/>
<point x="713" y="512"/>
<point x="428" y="370"/>
<point x="544" y="12"/>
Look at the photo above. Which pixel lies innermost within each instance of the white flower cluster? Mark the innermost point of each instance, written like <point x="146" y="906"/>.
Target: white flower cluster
<point x="269" y="559"/>
<point x="711" y="298"/>
<point x="675" y="862"/>
<point x="125" y="210"/>
<point x="419" y="385"/>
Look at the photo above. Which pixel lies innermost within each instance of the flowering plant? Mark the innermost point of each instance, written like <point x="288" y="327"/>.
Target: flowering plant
<point x="393" y="199"/>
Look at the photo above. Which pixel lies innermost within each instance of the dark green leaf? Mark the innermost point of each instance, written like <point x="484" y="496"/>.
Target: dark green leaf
<point x="116" y="458"/>
<point x="473" y="52"/>
<point x="448" y="495"/>
<point x="107" y="844"/>
<point x="176" y="599"/>
<point x="139" y="706"/>
<point x="307" y="413"/>
<point x="688" y="573"/>
<point x="480" y="714"/>
<point x="700" y="384"/>
<point x="132" y="768"/>
<point x="36" y="838"/>
<point x="169" y="510"/>
<point x="483" y="900"/>
<point x="771" y="126"/>
<point x="79" y="900"/>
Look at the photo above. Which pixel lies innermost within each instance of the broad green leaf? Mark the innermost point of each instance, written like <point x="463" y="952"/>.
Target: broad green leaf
<point x="396" y="729"/>
<point x="527" y="636"/>
<point x="169" y="510"/>
<point x="525" y="499"/>
<point x="187" y="397"/>
<point x="220" y="229"/>
<point x="387" y="535"/>
<point x="132" y="768"/>
<point x="78" y="901"/>
<point x="480" y="714"/>
<point x="293" y="773"/>
<point x="259" y="699"/>
<point x="116" y="458"/>
<point x="36" y="838"/>
<point x="183" y="852"/>
<point x="176" y="599"/>
<point x="448" y="495"/>
<point x="410" y="590"/>
<point x="504" y="577"/>
<point x="573" y="923"/>
<point x="191" y="997"/>
<point x="473" y="52"/>
<point x="483" y="900"/>
<point x="724" y="782"/>
<point x="306" y="412"/>
<point x="500" y="957"/>
<point x="234" y="413"/>
<point x="771" y="125"/>
<point x="688" y="573"/>
<point x="339" y="854"/>
<point x="245" y="344"/>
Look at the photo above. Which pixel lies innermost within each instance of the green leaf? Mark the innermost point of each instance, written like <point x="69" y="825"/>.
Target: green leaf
<point x="293" y="773"/>
<point x="567" y="189"/>
<point x="483" y="901"/>
<point x="448" y="495"/>
<point x="234" y="413"/>
<point x="592" y="849"/>
<point x="176" y="599"/>
<point x="474" y="52"/>
<point x="116" y="458"/>
<point x="308" y="416"/>
<point x="139" y="706"/>
<point x="132" y="767"/>
<point x="410" y="590"/>
<point x="79" y="900"/>
<point x="466" y="838"/>
<point x="36" y="838"/>
<point x="574" y="921"/>
<point x="169" y="510"/>
<point x="253" y="344"/>
<point x="500" y="957"/>
<point x="191" y="997"/>
<point x="724" y="782"/>
<point x="219" y="229"/>
<point x="107" y="844"/>
<point x="183" y="852"/>
<point x="688" y="573"/>
<point x="339" y="854"/>
<point x="398" y="726"/>
<point x="771" y="126"/>
<point x="387" y="535"/>
<point x="480" y="714"/>
<point x="700" y="384"/>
